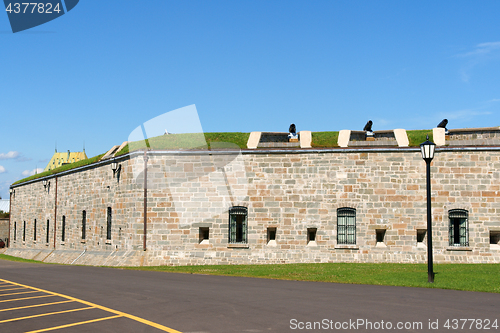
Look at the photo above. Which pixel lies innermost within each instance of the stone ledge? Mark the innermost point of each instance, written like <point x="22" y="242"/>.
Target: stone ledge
<point x="238" y="246"/>
<point x="459" y="248"/>
<point x="346" y="247"/>
<point x="474" y="130"/>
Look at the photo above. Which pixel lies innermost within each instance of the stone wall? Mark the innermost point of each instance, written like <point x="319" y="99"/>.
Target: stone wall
<point x="92" y="189"/>
<point x="292" y="191"/>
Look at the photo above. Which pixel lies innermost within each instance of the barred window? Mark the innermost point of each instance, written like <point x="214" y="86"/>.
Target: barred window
<point x="47" y="237"/>
<point x="84" y="223"/>
<point x="459" y="227"/>
<point x="346" y="226"/>
<point x="24" y="231"/>
<point x="238" y="225"/>
<point x="108" y="224"/>
<point x="63" y="231"/>
<point x="34" y="231"/>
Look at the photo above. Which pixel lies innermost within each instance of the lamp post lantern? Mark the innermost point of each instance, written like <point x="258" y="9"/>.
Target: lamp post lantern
<point x="427" y="148"/>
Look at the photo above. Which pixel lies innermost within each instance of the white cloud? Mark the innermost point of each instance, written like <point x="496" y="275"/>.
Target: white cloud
<point x="2" y="169"/>
<point x="27" y="173"/>
<point x="464" y="73"/>
<point x="14" y="155"/>
<point x="463" y="114"/>
<point x="381" y="123"/>
<point x="482" y="49"/>
<point x="481" y="54"/>
<point x="9" y="155"/>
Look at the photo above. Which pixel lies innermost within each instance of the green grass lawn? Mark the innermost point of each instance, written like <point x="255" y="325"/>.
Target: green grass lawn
<point x="470" y="277"/>
<point x="11" y="258"/>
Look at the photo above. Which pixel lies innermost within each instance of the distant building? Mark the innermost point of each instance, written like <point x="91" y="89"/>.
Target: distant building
<point x="4" y="205"/>
<point x="65" y="158"/>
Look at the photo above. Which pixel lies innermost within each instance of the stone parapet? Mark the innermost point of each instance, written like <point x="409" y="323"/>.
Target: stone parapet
<point x="439" y="136"/>
<point x="388" y="138"/>
<point x="279" y="144"/>
<point x="487" y="136"/>
<point x="305" y="139"/>
<point x="376" y="143"/>
<point x="343" y="139"/>
<point x="401" y="137"/>
<point x="253" y="140"/>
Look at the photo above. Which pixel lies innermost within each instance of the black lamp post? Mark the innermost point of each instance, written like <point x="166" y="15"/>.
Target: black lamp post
<point x="427" y="149"/>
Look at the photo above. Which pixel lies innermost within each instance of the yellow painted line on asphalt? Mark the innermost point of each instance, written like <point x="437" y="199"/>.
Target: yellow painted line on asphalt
<point x="119" y="313"/>
<point x="44" y="314"/>
<point x="21" y="299"/>
<point x="24" y="292"/>
<point x="34" y="306"/>
<point x="11" y="289"/>
<point x="74" y="324"/>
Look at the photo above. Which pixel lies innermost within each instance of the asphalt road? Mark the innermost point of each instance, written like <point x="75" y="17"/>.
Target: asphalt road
<point x="203" y="303"/>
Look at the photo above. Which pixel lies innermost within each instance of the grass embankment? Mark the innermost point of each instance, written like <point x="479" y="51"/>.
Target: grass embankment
<point x="417" y="137"/>
<point x="469" y="277"/>
<point x="325" y="139"/>
<point x="191" y="141"/>
<point x="11" y="258"/>
<point x="62" y="168"/>
<point x="223" y="140"/>
<point x="173" y="141"/>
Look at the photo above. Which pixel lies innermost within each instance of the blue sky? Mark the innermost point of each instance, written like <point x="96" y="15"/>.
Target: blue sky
<point x="96" y="73"/>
